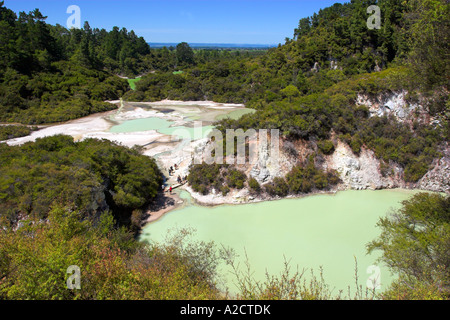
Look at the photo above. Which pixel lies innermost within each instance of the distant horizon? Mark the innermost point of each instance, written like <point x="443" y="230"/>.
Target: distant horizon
<point x="215" y="44"/>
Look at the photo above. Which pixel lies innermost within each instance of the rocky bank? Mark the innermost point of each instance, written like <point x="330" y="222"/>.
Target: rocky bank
<point x="359" y="172"/>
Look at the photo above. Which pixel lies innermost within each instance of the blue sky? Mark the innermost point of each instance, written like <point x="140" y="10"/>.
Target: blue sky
<point x="194" y="21"/>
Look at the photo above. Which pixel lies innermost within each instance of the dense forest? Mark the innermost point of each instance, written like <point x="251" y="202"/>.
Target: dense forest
<point x="51" y="74"/>
<point x="328" y="47"/>
<point x="64" y="202"/>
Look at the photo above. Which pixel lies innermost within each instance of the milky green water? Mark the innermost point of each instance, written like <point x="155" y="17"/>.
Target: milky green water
<point x="162" y="126"/>
<point x="146" y="124"/>
<point x="132" y="83"/>
<point x="319" y="230"/>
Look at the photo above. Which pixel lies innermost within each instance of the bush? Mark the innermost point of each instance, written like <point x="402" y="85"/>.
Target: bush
<point x="235" y="179"/>
<point x="88" y="176"/>
<point x="415" y="170"/>
<point x="304" y="179"/>
<point x="203" y="177"/>
<point x="414" y="244"/>
<point x="11" y="132"/>
<point x="326" y="146"/>
<point x="114" y="265"/>
<point x="254" y="185"/>
<point x="278" y="187"/>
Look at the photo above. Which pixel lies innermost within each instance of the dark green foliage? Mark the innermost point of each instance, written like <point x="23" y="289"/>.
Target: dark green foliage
<point x="393" y="141"/>
<point x="90" y="176"/>
<point x="113" y="265"/>
<point x="69" y="92"/>
<point x="235" y="179"/>
<point x="306" y="178"/>
<point x="50" y="74"/>
<point x="13" y="131"/>
<point x="429" y="31"/>
<point x="278" y="187"/>
<point x="254" y="185"/>
<point x="326" y="146"/>
<point x="337" y="34"/>
<point x="317" y="115"/>
<point x="185" y="54"/>
<point x="205" y="177"/>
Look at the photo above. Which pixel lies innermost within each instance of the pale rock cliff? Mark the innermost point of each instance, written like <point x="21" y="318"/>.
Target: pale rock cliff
<point x="393" y="103"/>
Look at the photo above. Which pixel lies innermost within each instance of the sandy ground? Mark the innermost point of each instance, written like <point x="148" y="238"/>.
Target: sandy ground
<point x="164" y="203"/>
<point x="76" y="128"/>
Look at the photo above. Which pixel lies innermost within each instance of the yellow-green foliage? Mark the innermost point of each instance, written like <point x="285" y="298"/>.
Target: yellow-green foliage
<point x="35" y="258"/>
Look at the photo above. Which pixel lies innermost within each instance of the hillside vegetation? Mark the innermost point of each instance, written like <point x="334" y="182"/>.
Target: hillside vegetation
<point x="90" y="177"/>
<point x="308" y="87"/>
<point x="50" y="74"/>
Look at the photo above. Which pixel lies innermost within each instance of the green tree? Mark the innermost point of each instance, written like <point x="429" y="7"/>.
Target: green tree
<point x="290" y="91"/>
<point x="415" y="244"/>
<point x="429" y="34"/>
<point x="185" y="54"/>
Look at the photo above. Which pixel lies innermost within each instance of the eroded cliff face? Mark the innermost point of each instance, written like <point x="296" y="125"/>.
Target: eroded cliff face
<point x="357" y="171"/>
<point x="438" y="178"/>
<point x="362" y="171"/>
<point x="396" y="104"/>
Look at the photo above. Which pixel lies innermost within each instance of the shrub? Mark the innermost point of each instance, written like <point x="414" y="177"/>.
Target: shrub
<point x="278" y="187"/>
<point x="303" y="179"/>
<point x="254" y="185"/>
<point x="10" y="132"/>
<point x="202" y="177"/>
<point x="236" y="179"/>
<point x="326" y="146"/>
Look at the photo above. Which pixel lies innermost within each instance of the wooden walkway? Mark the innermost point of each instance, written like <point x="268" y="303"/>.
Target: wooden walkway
<point x="175" y="186"/>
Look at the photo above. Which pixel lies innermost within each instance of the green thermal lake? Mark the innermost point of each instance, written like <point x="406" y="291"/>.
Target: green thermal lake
<point x="162" y="126"/>
<point x="145" y="124"/>
<point x="319" y="230"/>
<point x="132" y="83"/>
<point x="326" y="231"/>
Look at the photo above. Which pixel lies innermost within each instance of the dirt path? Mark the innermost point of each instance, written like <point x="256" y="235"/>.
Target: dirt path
<point x="165" y="202"/>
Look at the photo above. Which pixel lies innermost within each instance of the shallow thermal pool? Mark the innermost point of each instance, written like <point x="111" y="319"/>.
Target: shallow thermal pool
<point x="145" y="124"/>
<point x="319" y="230"/>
